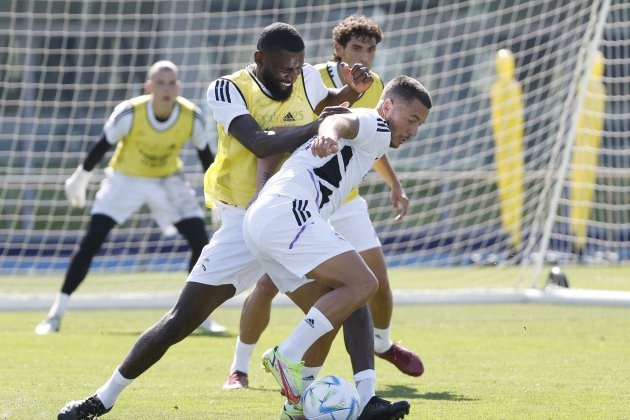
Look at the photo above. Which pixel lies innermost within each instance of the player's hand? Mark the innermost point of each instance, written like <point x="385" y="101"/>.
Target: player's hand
<point x="333" y="110"/>
<point x="400" y="201"/>
<point x="323" y="146"/>
<point x="358" y="77"/>
<point x="76" y="187"/>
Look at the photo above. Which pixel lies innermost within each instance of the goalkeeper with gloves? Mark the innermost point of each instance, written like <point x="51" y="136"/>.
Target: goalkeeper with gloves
<point x="148" y="132"/>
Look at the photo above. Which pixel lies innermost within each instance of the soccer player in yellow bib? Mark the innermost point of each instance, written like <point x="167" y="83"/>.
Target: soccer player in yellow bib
<point x="148" y="131"/>
<point x="277" y="90"/>
<point x="355" y="41"/>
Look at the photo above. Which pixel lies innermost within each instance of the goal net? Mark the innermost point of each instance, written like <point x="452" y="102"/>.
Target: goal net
<point x="524" y="160"/>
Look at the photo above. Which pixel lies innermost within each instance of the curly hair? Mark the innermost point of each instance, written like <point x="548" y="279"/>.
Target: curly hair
<point x="358" y="26"/>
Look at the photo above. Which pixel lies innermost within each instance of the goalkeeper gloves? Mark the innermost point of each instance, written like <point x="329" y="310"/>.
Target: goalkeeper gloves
<point x="76" y="187"/>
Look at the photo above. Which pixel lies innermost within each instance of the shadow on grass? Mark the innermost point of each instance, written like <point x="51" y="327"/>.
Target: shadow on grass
<point x="403" y="391"/>
<point x="194" y="334"/>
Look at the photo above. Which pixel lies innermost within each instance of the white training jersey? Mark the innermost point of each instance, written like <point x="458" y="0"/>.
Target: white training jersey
<point x="119" y="124"/>
<point x="327" y="181"/>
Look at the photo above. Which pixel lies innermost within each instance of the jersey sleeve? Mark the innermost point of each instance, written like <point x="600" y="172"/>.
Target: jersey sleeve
<point x="316" y="90"/>
<point x="199" y="137"/>
<point x="225" y="101"/>
<point x="119" y="123"/>
<point x="374" y="135"/>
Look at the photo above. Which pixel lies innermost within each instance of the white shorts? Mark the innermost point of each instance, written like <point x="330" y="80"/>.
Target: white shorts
<point x="170" y="199"/>
<point x="226" y="259"/>
<point x="352" y="221"/>
<point x="290" y="238"/>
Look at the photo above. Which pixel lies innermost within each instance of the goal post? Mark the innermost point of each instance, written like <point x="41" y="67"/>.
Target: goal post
<point x="65" y="65"/>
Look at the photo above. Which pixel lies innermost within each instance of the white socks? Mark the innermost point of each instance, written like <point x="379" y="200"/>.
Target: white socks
<point x="108" y="393"/>
<point x="242" y="356"/>
<point x="309" y="374"/>
<point x="314" y="325"/>
<point x="366" y="386"/>
<point x="60" y="305"/>
<point x="382" y="340"/>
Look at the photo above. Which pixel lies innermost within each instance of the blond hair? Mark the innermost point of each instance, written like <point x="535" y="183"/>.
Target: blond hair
<point x="162" y="65"/>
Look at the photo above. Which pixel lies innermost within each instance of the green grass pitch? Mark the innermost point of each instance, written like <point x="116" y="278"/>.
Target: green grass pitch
<point x="522" y="361"/>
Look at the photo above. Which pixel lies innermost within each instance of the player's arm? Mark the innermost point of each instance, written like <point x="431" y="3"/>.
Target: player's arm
<point x="331" y="130"/>
<point x="358" y="79"/>
<point x="267" y="143"/>
<point x="397" y="194"/>
<point x="201" y="141"/>
<point x="76" y="185"/>
<point x="230" y="110"/>
<point x="117" y="126"/>
<point x="205" y="157"/>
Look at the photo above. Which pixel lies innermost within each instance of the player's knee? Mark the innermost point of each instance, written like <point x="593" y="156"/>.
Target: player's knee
<point x="371" y="286"/>
<point x="365" y="288"/>
<point x="265" y="290"/>
<point x="383" y="285"/>
<point x="175" y="326"/>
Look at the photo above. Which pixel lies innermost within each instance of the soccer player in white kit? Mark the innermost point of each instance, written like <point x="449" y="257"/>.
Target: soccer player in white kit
<point x="277" y="90"/>
<point x="288" y="232"/>
<point x="355" y="40"/>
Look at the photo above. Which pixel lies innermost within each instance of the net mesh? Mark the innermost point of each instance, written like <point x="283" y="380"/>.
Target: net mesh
<point x="66" y="64"/>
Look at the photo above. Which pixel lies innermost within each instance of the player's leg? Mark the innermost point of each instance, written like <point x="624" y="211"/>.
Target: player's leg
<point x="381" y="307"/>
<point x="291" y="247"/>
<point x="207" y="287"/>
<point x="351" y="284"/>
<point x="99" y="228"/>
<point x="173" y="202"/>
<point x="118" y="197"/>
<point x="194" y="231"/>
<point x="196" y="302"/>
<point x="336" y="275"/>
<point x="254" y="319"/>
<point x="352" y="221"/>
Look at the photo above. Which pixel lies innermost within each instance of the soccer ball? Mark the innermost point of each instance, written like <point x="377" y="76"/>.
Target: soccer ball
<point x="331" y="397"/>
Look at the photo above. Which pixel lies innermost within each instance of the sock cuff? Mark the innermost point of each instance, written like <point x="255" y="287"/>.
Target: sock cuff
<point x="365" y="374"/>
<point x="119" y="379"/>
<point x="244" y="346"/>
<point x="308" y="371"/>
<point x="317" y="315"/>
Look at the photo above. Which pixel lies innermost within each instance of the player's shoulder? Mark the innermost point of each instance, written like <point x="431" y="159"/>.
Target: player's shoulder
<point x="186" y="103"/>
<point x="192" y="108"/>
<point x="138" y="100"/>
<point x="125" y="108"/>
<point x="366" y="113"/>
<point x="239" y="76"/>
<point x="370" y="121"/>
<point x="376" y="77"/>
<point x="322" y="67"/>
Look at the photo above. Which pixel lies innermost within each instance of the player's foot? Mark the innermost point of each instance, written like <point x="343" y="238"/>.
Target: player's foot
<point x="291" y="413"/>
<point x="87" y="409"/>
<point x="287" y="374"/>
<point x="404" y="359"/>
<point x="380" y="409"/>
<point x="49" y="325"/>
<point x="236" y="380"/>
<point x="209" y="325"/>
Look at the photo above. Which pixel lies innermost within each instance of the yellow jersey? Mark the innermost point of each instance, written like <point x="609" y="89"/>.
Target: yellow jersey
<point x="147" y="152"/>
<point x="369" y="99"/>
<point x="232" y="177"/>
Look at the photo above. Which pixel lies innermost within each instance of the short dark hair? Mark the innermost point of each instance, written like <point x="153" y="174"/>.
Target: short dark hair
<point x="359" y="26"/>
<point x="280" y="37"/>
<point x="407" y="88"/>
